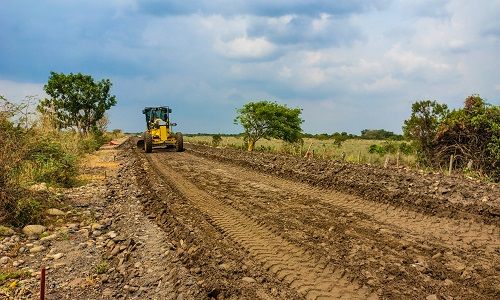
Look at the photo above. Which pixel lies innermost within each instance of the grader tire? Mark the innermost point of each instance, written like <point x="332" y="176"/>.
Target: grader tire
<point x="148" y="143"/>
<point x="179" y="143"/>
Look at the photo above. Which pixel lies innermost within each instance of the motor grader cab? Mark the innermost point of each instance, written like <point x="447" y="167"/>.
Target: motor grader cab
<point x="159" y="130"/>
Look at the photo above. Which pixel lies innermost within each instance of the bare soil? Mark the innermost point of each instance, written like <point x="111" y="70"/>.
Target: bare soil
<point x="329" y="236"/>
<point x="213" y="223"/>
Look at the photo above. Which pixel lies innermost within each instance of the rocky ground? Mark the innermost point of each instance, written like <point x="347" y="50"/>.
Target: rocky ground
<point x="97" y="245"/>
<point x="220" y="224"/>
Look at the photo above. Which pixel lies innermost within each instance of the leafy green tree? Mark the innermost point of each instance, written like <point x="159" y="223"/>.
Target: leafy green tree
<point x="422" y="125"/>
<point x="265" y="119"/>
<point x="77" y="101"/>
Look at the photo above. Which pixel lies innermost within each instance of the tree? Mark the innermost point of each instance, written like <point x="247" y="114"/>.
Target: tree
<point x="379" y="134"/>
<point x="422" y="125"/>
<point x="77" y="101"/>
<point x="265" y="119"/>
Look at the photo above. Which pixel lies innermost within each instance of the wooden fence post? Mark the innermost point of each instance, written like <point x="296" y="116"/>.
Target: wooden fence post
<point x="397" y="159"/>
<point x="386" y="161"/>
<point x="308" y="149"/>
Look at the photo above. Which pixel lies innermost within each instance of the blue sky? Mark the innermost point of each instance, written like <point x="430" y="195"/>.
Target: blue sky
<point x="349" y="65"/>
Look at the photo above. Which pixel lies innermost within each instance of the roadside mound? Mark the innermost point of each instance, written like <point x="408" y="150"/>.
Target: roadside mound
<point x="447" y="196"/>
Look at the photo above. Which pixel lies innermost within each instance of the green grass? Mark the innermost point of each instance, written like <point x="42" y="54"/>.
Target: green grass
<point x="4" y="276"/>
<point x="102" y="267"/>
<point x="356" y="150"/>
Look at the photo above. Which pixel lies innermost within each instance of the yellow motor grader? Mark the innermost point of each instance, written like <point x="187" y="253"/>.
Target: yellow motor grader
<point x="159" y="132"/>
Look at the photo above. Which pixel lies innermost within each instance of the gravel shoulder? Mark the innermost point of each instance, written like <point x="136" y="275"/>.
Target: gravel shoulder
<point x="98" y="245"/>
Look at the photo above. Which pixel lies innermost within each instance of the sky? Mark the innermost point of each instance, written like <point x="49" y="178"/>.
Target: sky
<point x="349" y="65"/>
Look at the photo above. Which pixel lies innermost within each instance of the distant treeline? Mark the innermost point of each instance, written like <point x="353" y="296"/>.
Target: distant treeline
<point x="366" y="134"/>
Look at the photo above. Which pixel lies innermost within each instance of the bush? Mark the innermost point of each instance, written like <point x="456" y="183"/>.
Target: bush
<point x="406" y="148"/>
<point x="377" y="149"/>
<point x="27" y="211"/>
<point x="390" y="147"/>
<point x="216" y="140"/>
<point x="51" y="164"/>
<point x="470" y="134"/>
<point x="88" y="144"/>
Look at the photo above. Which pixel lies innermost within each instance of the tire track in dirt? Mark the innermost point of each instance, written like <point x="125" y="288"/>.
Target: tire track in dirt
<point x="453" y="233"/>
<point x="310" y="277"/>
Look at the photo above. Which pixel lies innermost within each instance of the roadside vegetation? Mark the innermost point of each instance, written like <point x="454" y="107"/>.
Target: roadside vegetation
<point x="466" y="139"/>
<point x="352" y="150"/>
<point x="436" y="139"/>
<point x="42" y="142"/>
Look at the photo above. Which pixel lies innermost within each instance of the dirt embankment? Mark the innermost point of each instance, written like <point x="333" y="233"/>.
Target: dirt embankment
<point x="447" y="196"/>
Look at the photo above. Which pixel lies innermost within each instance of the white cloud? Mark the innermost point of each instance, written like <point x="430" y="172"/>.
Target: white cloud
<point x="17" y="91"/>
<point x="314" y="76"/>
<point x="409" y="61"/>
<point x="386" y="83"/>
<point x="321" y="23"/>
<point x="245" y="48"/>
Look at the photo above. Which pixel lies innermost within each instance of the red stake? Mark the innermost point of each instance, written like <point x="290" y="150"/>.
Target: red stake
<point x="42" y="284"/>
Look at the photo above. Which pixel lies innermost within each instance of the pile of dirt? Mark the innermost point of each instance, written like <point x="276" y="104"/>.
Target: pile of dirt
<point x="447" y="196"/>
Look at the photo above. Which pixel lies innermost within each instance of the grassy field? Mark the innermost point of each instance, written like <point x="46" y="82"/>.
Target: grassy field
<point x="353" y="150"/>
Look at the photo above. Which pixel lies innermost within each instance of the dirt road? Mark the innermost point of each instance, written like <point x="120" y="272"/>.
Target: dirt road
<point x="251" y="234"/>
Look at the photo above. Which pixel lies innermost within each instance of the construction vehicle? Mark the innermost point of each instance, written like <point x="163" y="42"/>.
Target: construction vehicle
<point x="159" y="130"/>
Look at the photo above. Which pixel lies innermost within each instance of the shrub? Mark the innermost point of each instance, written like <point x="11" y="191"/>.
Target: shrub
<point x="470" y="134"/>
<point x="390" y="147"/>
<point x="406" y="148"/>
<point x="216" y="140"/>
<point x="51" y="164"/>
<point x="88" y="144"/>
<point x="377" y="149"/>
<point x="27" y="211"/>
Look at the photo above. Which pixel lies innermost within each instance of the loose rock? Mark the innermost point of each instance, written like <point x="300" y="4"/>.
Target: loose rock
<point x="58" y="255"/>
<point x="34" y="229"/>
<point x="37" y="249"/>
<point x="6" y="231"/>
<point x="55" y="212"/>
<point x="4" y="260"/>
<point x="248" y="279"/>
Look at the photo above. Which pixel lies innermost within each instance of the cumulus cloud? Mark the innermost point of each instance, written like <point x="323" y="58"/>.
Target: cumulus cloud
<point x="409" y="61"/>
<point x="339" y="60"/>
<point x="387" y="83"/>
<point x="246" y="48"/>
<point x="319" y="31"/>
